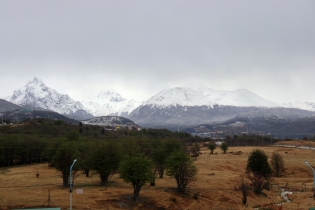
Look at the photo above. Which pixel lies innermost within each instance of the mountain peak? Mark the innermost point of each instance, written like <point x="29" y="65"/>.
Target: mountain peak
<point x="36" y="94"/>
<point x="109" y="96"/>
<point x="35" y="81"/>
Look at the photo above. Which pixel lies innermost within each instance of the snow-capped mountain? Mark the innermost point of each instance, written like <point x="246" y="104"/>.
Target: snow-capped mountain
<point x="170" y="108"/>
<point x="181" y="107"/>
<point x="208" y="97"/>
<point x="36" y="94"/>
<point x="300" y="105"/>
<point x="110" y="103"/>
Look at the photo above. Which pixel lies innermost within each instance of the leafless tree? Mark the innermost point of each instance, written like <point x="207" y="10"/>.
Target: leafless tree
<point x="277" y="163"/>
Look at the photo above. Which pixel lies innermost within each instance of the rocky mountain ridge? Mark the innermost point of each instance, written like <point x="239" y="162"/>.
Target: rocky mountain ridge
<point x="110" y="121"/>
<point x="171" y="108"/>
<point x="35" y="94"/>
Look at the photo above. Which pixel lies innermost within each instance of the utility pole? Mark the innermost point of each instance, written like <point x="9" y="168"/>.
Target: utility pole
<point x="246" y="133"/>
<point x="70" y="190"/>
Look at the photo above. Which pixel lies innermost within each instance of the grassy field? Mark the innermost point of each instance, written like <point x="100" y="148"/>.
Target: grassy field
<point x="218" y="176"/>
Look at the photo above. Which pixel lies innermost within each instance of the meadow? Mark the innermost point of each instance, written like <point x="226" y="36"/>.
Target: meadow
<point x="215" y="188"/>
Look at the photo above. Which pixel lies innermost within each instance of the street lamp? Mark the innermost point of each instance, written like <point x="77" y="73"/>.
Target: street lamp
<point x="313" y="174"/>
<point x="70" y="190"/>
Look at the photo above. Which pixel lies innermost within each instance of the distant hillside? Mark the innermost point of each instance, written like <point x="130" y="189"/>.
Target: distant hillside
<point x="8" y="106"/>
<point x="278" y="122"/>
<point x="20" y="115"/>
<point x="110" y="121"/>
<point x="175" y="109"/>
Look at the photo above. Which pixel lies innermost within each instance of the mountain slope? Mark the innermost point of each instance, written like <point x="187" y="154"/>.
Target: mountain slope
<point x="207" y="97"/>
<point x="35" y="94"/>
<point x="300" y="105"/>
<point x="110" y="103"/>
<point x="171" y="108"/>
<point x="8" y="106"/>
<point x="176" y="107"/>
<point x="278" y="121"/>
<point x="110" y="121"/>
<point x="20" y="115"/>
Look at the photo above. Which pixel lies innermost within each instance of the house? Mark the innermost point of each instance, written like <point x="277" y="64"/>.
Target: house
<point x="218" y="143"/>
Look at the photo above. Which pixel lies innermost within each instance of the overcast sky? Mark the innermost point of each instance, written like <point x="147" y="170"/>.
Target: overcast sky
<point x="138" y="48"/>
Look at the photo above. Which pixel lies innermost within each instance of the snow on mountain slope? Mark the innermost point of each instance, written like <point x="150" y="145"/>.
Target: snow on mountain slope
<point x="243" y="97"/>
<point x="208" y="97"/>
<point x="300" y="105"/>
<point x="110" y="103"/>
<point x="110" y="121"/>
<point x="36" y="94"/>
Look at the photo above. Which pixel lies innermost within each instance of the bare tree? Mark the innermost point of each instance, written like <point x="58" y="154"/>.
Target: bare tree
<point x="195" y="150"/>
<point x="243" y="187"/>
<point x="277" y="163"/>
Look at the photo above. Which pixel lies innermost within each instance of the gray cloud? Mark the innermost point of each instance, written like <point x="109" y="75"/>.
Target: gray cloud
<point x="138" y="48"/>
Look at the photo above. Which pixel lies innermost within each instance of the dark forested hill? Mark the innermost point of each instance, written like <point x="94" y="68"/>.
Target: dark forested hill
<point x="22" y="114"/>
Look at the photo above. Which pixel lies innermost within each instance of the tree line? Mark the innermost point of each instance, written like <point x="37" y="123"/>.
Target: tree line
<point x="138" y="156"/>
<point x="137" y="160"/>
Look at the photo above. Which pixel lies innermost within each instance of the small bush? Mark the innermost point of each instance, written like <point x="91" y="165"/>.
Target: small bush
<point x="196" y="195"/>
<point x="174" y="200"/>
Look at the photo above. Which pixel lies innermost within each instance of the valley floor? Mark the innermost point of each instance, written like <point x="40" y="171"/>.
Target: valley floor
<point x="218" y="176"/>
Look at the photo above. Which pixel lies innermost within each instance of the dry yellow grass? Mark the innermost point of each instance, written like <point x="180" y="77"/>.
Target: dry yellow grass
<point x="216" y="180"/>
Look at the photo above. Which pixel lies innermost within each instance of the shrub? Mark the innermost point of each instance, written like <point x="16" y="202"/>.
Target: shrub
<point x="224" y="147"/>
<point x="212" y="147"/>
<point x="181" y="167"/>
<point x="277" y="163"/>
<point x="174" y="200"/>
<point x="258" y="170"/>
<point x="136" y="170"/>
